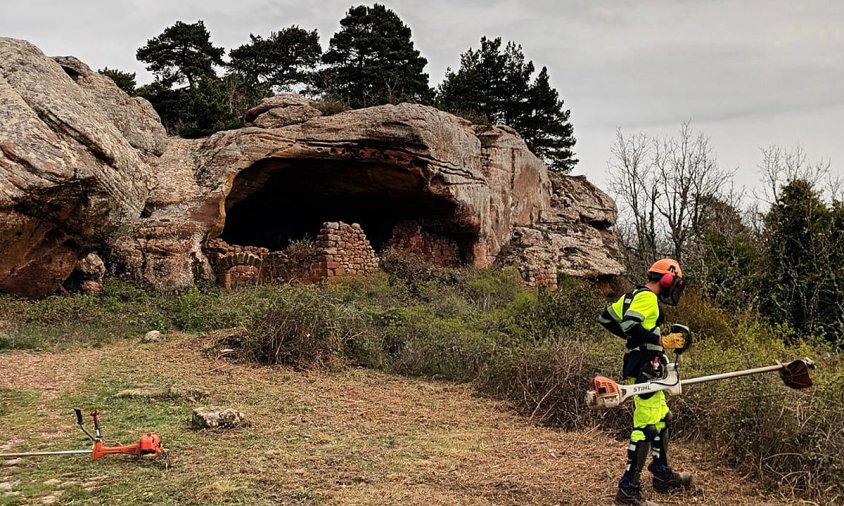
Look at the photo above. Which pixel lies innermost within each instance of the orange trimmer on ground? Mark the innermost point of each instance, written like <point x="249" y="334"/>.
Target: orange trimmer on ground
<point x="148" y="446"/>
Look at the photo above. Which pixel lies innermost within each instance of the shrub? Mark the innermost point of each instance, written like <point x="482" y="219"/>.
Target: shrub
<point x="548" y="382"/>
<point x="329" y="106"/>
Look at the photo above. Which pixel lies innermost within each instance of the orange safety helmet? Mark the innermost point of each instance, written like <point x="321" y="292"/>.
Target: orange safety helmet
<point x="670" y="277"/>
<point x="665" y="266"/>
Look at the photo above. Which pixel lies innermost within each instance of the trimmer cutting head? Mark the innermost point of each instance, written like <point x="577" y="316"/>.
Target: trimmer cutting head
<point x="795" y="374"/>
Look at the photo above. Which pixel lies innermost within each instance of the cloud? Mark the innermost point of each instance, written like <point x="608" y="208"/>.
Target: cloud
<point x="747" y="73"/>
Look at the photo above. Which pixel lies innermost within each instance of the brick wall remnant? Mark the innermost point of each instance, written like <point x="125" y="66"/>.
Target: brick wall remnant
<point x="340" y="249"/>
<point x="410" y="239"/>
<point x="345" y="249"/>
<point x="236" y="265"/>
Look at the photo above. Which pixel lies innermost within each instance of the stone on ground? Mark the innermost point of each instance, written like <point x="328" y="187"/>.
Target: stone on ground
<point x="218" y="418"/>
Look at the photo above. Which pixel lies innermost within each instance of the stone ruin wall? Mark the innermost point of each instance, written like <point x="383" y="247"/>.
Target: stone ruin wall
<point x="237" y="266"/>
<point x="411" y="240"/>
<point x="344" y="249"/>
<point x="539" y="275"/>
<point x="339" y="249"/>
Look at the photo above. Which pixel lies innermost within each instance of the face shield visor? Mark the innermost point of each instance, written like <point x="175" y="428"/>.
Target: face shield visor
<point x="672" y="290"/>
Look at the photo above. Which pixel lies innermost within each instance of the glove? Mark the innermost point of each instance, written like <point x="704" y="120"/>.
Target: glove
<point x="673" y="341"/>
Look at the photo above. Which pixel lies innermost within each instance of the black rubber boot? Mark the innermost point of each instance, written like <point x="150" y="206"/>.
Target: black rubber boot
<point x="666" y="480"/>
<point x="629" y="487"/>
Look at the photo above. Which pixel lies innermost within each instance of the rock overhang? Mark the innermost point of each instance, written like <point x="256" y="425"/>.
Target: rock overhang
<point x="437" y="178"/>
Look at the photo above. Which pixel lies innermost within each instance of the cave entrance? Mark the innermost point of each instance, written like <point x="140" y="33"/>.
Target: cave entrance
<point x="277" y="201"/>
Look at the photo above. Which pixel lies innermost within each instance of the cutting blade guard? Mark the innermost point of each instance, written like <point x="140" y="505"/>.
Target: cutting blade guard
<point x="795" y="374"/>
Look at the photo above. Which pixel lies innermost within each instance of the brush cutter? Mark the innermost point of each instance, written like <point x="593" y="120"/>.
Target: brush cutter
<point x="148" y="446"/>
<point x="605" y="393"/>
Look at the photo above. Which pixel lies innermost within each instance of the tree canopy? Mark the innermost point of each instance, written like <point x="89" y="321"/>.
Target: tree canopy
<point x="494" y="84"/>
<point x="804" y="277"/>
<point x="281" y="61"/>
<point x="124" y="80"/>
<point x="545" y="125"/>
<point x="182" y="52"/>
<point x="372" y="60"/>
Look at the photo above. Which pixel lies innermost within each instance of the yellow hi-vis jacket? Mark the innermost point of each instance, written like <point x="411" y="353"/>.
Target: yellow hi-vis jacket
<point x="635" y="317"/>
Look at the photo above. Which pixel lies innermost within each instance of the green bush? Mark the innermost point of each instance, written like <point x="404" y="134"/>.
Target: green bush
<point x="790" y="439"/>
<point x="301" y="327"/>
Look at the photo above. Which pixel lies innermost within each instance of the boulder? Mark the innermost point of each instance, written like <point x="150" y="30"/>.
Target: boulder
<point x="153" y="336"/>
<point x="280" y="111"/>
<point x="70" y="181"/>
<point x="218" y="418"/>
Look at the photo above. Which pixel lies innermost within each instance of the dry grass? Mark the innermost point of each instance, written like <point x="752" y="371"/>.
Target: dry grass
<point x="350" y="437"/>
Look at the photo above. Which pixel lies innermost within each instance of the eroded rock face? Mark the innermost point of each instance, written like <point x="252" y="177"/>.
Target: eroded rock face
<point x="84" y="167"/>
<point x="478" y="190"/>
<point x="575" y="236"/>
<point x="134" y="117"/>
<point x="390" y="164"/>
<point x="69" y="179"/>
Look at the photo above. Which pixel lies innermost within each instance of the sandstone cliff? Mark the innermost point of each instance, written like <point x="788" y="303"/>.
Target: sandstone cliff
<point x="86" y="168"/>
<point x="70" y="179"/>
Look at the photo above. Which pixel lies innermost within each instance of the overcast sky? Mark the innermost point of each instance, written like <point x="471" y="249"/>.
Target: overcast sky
<point x="746" y="73"/>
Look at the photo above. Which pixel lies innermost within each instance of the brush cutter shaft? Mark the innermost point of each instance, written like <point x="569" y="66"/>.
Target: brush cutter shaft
<point x="605" y="393"/>
<point x="39" y="454"/>
<point x="736" y="374"/>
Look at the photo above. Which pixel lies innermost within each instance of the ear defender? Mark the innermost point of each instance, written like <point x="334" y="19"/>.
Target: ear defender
<point x="667" y="280"/>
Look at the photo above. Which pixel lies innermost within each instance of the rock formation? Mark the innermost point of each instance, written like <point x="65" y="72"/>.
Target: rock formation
<point x="86" y="168"/>
<point x="574" y="236"/>
<point x="70" y="179"/>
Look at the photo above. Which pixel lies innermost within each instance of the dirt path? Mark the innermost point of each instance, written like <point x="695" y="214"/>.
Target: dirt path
<point x="350" y="437"/>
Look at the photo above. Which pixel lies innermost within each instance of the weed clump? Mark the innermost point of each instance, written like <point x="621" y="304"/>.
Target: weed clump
<point x="301" y="328"/>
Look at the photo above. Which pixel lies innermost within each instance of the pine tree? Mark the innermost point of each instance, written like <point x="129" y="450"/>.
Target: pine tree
<point x="494" y="85"/>
<point x="372" y="60"/>
<point x="478" y="90"/>
<point x="546" y="127"/>
<point x="203" y="109"/>
<point x="281" y="62"/>
<point x="183" y="52"/>
<point x="124" y="80"/>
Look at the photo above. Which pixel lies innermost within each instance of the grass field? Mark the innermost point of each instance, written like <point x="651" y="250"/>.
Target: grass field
<point x="352" y="436"/>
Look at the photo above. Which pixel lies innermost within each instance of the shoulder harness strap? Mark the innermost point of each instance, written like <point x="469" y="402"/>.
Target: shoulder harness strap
<point x="628" y="299"/>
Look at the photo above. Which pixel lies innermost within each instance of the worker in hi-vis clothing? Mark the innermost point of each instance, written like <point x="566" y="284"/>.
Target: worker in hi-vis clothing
<point x="636" y="317"/>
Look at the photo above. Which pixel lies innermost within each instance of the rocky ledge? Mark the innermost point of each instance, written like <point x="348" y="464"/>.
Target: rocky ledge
<point x="84" y="168"/>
